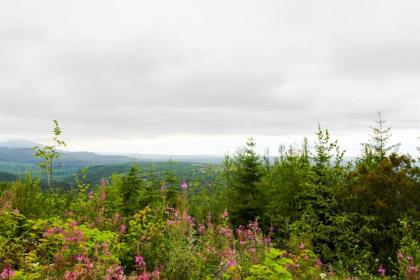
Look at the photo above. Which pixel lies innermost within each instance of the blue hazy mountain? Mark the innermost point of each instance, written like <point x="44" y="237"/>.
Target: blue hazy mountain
<point x="18" y="143"/>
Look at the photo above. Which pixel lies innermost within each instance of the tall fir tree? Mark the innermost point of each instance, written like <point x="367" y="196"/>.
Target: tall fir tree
<point x="243" y="175"/>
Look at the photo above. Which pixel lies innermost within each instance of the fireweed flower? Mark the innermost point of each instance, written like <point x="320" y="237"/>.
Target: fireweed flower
<point x="144" y="276"/>
<point x="71" y="275"/>
<point x="139" y="261"/>
<point x="115" y="272"/>
<point x="189" y="220"/>
<point x="73" y="224"/>
<point x="231" y="263"/>
<point x="123" y="229"/>
<point x="267" y="240"/>
<point x="184" y="185"/>
<point x="229" y="257"/>
<point x="252" y="250"/>
<point x="225" y="214"/>
<point x="318" y="263"/>
<point x="381" y="270"/>
<point x="201" y="228"/>
<point x="7" y="273"/>
<point x="411" y="270"/>
<point x="73" y="236"/>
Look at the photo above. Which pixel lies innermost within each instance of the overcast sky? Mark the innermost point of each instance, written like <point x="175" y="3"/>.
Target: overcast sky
<point x="199" y="77"/>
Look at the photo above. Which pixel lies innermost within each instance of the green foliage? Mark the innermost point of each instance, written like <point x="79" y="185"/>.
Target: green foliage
<point x="243" y="175"/>
<point x="272" y="268"/>
<point x="302" y="215"/>
<point x="49" y="153"/>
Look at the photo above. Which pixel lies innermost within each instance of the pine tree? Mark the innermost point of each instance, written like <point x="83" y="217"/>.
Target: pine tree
<point x="135" y="193"/>
<point x="381" y="135"/>
<point x="243" y="174"/>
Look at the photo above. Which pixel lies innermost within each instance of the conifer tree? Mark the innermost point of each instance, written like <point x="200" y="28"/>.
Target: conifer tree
<point x="133" y="192"/>
<point x="243" y="174"/>
<point x="381" y="135"/>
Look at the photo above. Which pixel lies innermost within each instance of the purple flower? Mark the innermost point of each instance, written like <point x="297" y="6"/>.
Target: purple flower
<point x="231" y="263"/>
<point x="381" y="270"/>
<point x="201" y="228"/>
<point x="139" y="261"/>
<point x="225" y="214"/>
<point x="16" y="211"/>
<point x="164" y="187"/>
<point x="115" y="272"/>
<point x="184" y="185"/>
<point x="73" y="224"/>
<point x="7" y="273"/>
<point x="123" y="229"/>
<point x="411" y="270"/>
<point x="318" y="263"/>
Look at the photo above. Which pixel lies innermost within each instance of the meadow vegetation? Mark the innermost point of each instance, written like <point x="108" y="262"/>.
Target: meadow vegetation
<point x="306" y="214"/>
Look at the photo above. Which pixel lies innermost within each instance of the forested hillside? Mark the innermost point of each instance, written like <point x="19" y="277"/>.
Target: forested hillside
<point x="306" y="214"/>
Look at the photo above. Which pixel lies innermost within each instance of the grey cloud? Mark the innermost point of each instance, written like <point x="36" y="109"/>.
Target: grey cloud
<point x="245" y="67"/>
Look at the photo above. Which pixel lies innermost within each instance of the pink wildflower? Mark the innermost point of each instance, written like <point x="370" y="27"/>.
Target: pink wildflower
<point x="411" y="270"/>
<point x="73" y="224"/>
<point x="231" y="263"/>
<point x="318" y="263"/>
<point x="184" y="185"/>
<point x="252" y="250"/>
<point x="155" y="274"/>
<point x="190" y="220"/>
<point x="140" y="263"/>
<point x="115" y="272"/>
<point x="144" y="276"/>
<point x="7" y="273"/>
<point x="201" y="229"/>
<point x="71" y="275"/>
<point x="73" y="236"/>
<point x="302" y="246"/>
<point x="123" y="229"/>
<point x="16" y="211"/>
<point x="381" y="270"/>
<point x="225" y="214"/>
<point x="229" y="257"/>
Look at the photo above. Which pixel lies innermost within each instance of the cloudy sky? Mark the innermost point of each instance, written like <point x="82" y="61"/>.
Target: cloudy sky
<point x="199" y="77"/>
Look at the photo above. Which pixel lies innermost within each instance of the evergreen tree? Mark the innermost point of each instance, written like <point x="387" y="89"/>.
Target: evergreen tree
<point x="136" y="194"/>
<point x="381" y="135"/>
<point x="243" y="175"/>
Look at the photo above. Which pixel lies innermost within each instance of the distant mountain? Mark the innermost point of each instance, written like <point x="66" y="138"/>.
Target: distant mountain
<point x="7" y="177"/>
<point x="26" y="155"/>
<point x="19" y="143"/>
<point x="181" y="158"/>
